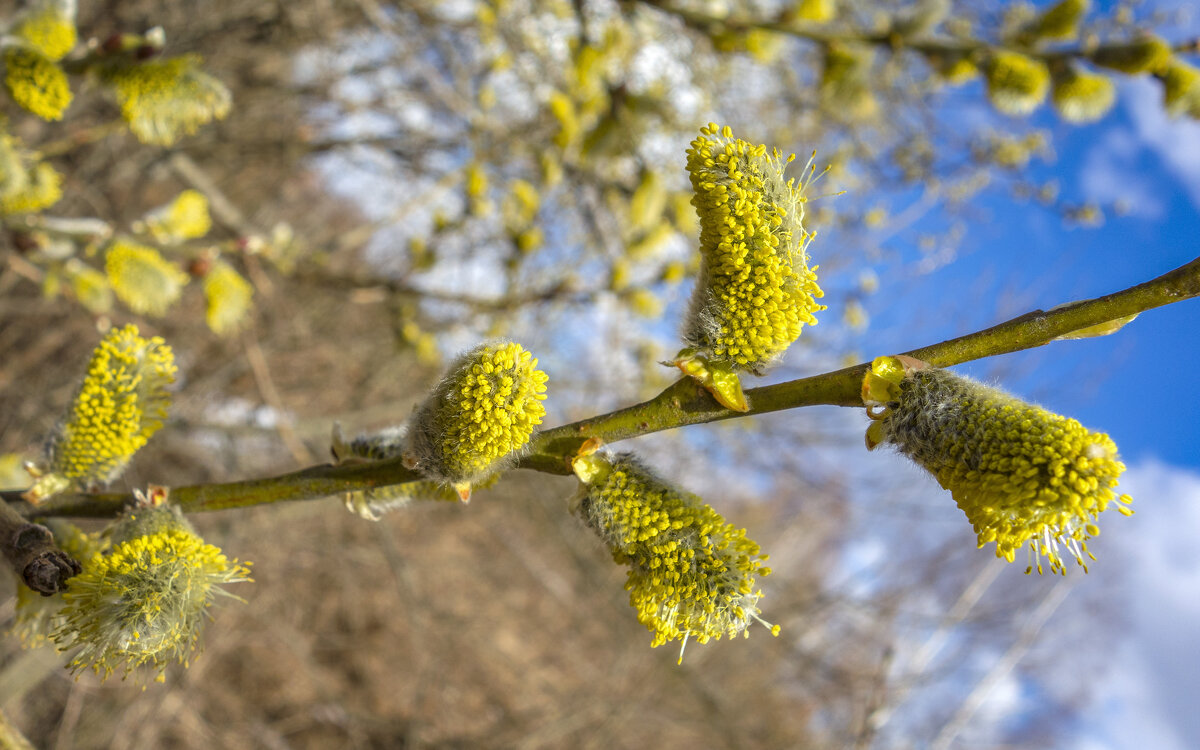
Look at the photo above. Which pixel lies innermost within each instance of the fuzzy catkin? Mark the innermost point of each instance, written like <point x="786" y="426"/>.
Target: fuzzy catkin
<point x="479" y="417"/>
<point x="755" y="290"/>
<point x="691" y="573"/>
<point x="1022" y="475"/>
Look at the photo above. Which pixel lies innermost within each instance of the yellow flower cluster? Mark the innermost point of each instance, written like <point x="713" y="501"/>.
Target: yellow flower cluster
<point x="691" y="574"/>
<point x="185" y="218"/>
<point x="36" y="83"/>
<point x="48" y="30"/>
<point x="1147" y="54"/>
<point x="1016" y="84"/>
<point x="1082" y="97"/>
<point x="144" y="280"/>
<point x="26" y="184"/>
<point x="162" y="100"/>
<point x="479" y="417"/>
<point x="1022" y="475"/>
<point x="228" y="296"/>
<point x="122" y="402"/>
<point x="36" y="616"/>
<point x="144" y="602"/>
<point x="756" y="290"/>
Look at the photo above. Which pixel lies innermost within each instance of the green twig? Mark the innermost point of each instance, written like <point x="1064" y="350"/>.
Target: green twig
<point x="682" y="403"/>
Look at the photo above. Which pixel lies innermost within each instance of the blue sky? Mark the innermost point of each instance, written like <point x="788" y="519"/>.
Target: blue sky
<point x="1134" y="385"/>
<point x="1024" y="258"/>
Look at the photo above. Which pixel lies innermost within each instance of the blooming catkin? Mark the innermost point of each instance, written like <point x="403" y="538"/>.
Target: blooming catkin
<point x="479" y="417"/>
<point x="48" y="27"/>
<point x="1022" y="475"/>
<point x="185" y="218"/>
<point x="142" y="278"/>
<point x="36" y="82"/>
<point x="228" y="296"/>
<point x="691" y="574"/>
<point x="1016" y="84"/>
<point x="122" y="401"/>
<point x="755" y="290"/>
<point x="143" y="602"/>
<point x="163" y="100"/>
<point x="1080" y="96"/>
<point x="26" y="184"/>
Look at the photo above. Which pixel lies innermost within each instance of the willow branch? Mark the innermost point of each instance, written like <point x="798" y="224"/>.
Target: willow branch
<point x="682" y="403"/>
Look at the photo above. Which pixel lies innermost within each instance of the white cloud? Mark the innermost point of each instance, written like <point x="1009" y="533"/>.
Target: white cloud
<point x="1175" y="140"/>
<point x="1111" y="168"/>
<point x="1110" y="174"/>
<point x="1148" y="697"/>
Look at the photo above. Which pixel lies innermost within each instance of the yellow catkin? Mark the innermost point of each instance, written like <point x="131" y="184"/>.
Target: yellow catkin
<point x="40" y="188"/>
<point x="144" y="602"/>
<point x="1024" y="477"/>
<point x="691" y="573"/>
<point x="1016" y="84"/>
<point x="1082" y="97"/>
<point x="185" y="218"/>
<point x="48" y="30"/>
<point x="755" y="290"/>
<point x="480" y="416"/>
<point x="122" y="401"/>
<point x="35" y="82"/>
<point x="228" y="296"/>
<point x="145" y="281"/>
<point x="164" y="100"/>
<point x="1059" y="21"/>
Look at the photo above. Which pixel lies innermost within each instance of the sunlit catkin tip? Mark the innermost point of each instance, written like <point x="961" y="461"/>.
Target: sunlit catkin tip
<point x="122" y="401"/>
<point x="479" y="417"/>
<point x="1082" y="97"/>
<point x="755" y="290"/>
<point x="1023" y="476"/>
<point x="48" y="27"/>
<point x="36" y="82"/>
<point x="145" y="601"/>
<point x="142" y="278"/>
<point x="164" y="100"/>
<point x="1016" y="84"/>
<point x="691" y="574"/>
